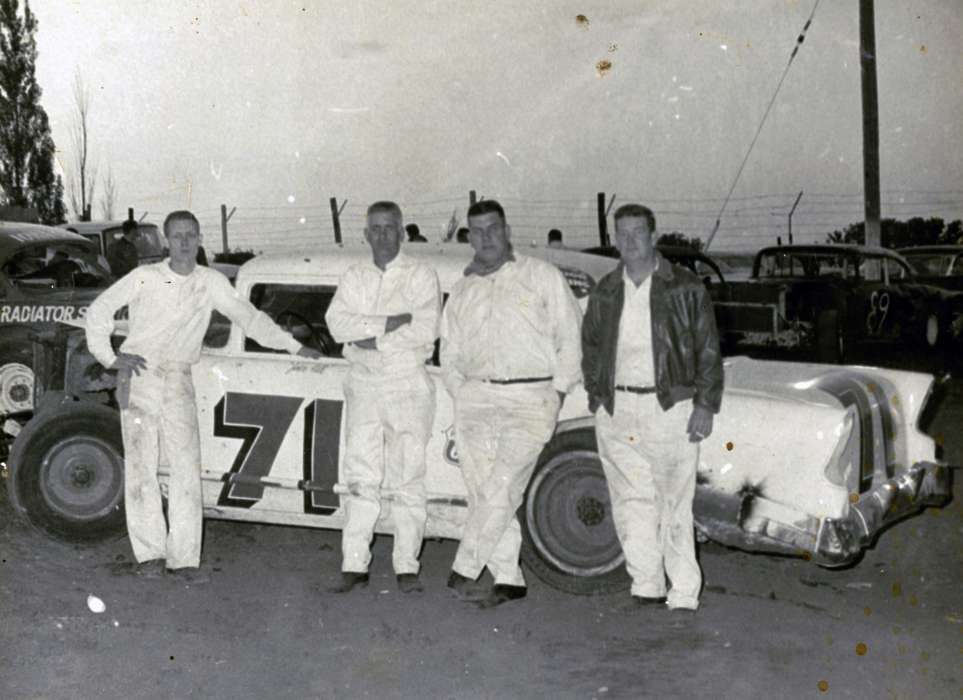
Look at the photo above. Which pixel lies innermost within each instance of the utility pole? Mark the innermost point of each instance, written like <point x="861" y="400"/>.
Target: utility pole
<point x="472" y="198"/>
<point x="867" y="62"/>
<point x="225" y="217"/>
<point x="798" y="197"/>
<point x="130" y="213"/>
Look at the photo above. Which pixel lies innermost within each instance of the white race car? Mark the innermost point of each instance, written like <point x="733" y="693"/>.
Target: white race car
<point x="810" y="460"/>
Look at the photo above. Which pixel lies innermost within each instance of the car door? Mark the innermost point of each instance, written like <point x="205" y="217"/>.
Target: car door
<point x="271" y="423"/>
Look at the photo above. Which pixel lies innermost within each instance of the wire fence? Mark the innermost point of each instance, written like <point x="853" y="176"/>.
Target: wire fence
<point x="751" y="221"/>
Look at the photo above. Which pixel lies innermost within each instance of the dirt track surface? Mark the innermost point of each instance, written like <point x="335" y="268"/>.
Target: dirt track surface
<point x="263" y="626"/>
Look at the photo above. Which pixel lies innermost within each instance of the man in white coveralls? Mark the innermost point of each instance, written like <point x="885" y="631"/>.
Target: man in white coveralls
<point x="386" y="312"/>
<point x="170" y="306"/>
<point x="510" y="352"/>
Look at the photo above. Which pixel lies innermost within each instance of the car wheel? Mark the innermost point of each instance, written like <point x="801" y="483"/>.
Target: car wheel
<point x="569" y="538"/>
<point x="831" y="346"/>
<point x="16" y="378"/>
<point x="67" y="473"/>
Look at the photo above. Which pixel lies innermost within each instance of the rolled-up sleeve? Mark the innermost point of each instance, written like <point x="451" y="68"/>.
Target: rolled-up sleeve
<point x="425" y="294"/>
<point x="567" y="334"/>
<point x="255" y="324"/>
<point x="99" y="321"/>
<point x="345" y="323"/>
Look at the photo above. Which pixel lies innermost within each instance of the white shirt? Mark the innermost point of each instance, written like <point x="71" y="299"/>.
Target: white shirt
<point x="634" y="362"/>
<point x="519" y="322"/>
<point x="366" y="297"/>
<point x="169" y="315"/>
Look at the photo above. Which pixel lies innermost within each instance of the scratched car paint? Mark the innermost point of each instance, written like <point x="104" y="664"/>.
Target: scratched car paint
<point x="806" y="460"/>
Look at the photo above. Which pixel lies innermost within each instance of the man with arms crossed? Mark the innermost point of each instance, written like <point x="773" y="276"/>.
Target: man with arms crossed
<point x="651" y="361"/>
<point x="510" y="352"/>
<point x="170" y="306"/>
<point x="386" y="312"/>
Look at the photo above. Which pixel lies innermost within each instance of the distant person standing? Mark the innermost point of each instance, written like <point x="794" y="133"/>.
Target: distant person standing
<point x="555" y="239"/>
<point x="414" y="234"/>
<point x="122" y="255"/>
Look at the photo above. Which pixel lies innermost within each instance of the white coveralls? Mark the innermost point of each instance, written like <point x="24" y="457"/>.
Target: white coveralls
<point x="389" y="404"/>
<point x="519" y="322"/>
<point x="169" y="314"/>
<point x="650" y="466"/>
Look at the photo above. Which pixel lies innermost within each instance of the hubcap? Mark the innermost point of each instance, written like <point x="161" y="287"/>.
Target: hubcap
<point x="568" y="516"/>
<point x="16" y="388"/>
<point x="81" y="478"/>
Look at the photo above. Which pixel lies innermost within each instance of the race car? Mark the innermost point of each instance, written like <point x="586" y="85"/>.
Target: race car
<point x="806" y="460"/>
<point x="48" y="276"/>
<point x="827" y="301"/>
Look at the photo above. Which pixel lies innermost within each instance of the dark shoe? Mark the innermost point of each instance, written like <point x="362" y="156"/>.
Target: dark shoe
<point x="350" y="579"/>
<point x="409" y="583"/>
<point x="153" y="568"/>
<point x="643" y="601"/>
<point x="464" y="587"/>
<point x="189" y="575"/>
<point x="502" y="593"/>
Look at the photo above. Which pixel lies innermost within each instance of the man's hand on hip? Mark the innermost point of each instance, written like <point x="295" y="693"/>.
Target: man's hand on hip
<point x="700" y="424"/>
<point x="397" y="321"/>
<point x="309" y="353"/>
<point x="127" y="362"/>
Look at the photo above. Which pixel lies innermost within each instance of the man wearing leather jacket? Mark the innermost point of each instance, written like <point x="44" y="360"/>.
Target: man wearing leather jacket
<point x="651" y="361"/>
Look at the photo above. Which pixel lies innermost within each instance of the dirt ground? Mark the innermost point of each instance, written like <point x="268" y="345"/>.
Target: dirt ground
<point x="263" y="626"/>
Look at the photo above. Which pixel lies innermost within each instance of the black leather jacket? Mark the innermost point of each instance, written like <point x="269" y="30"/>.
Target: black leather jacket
<point x="685" y="342"/>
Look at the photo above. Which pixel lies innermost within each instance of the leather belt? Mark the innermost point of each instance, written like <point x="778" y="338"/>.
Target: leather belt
<point x="519" y="380"/>
<point x="636" y="389"/>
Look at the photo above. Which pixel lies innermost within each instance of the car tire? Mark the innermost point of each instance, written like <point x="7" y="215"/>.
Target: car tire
<point x="67" y="473"/>
<point x="831" y="342"/>
<point x="568" y="535"/>
<point x="16" y="376"/>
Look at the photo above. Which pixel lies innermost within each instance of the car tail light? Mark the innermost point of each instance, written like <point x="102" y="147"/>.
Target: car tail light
<point x="843" y="468"/>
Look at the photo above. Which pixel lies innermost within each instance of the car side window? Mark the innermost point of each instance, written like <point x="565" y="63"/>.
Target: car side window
<point x="299" y="309"/>
<point x="56" y="266"/>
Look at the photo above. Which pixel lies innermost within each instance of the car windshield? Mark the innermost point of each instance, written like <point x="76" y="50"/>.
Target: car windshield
<point x="931" y="264"/>
<point x="149" y="242"/>
<point x="56" y="266"/>
<point x="806" y="264"/>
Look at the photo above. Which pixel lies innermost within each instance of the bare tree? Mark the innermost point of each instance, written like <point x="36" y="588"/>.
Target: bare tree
<point x="107" y="200"/>
<point x="82" y="182"/>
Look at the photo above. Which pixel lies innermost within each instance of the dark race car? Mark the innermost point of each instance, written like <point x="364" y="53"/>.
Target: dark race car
<point x="48" y="277"/>
<point x="828" y="300"/>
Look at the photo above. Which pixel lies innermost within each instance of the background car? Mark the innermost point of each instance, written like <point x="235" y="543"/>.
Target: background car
<point x="48" y="276"/>
<point x="842" y="455"/>
<point x="826" y="301"/>
<point x="937" y="265"/>
<point x="149" y="243"/>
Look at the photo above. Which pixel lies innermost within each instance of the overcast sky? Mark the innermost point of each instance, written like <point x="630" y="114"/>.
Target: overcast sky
<point x="275" y="106"/>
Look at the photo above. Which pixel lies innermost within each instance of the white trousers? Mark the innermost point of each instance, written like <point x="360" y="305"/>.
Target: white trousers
<point x="161" y="418"/>
<point x="388" y="423"/>
<point x="651" y="466"/>
<point x="500" y="431"/>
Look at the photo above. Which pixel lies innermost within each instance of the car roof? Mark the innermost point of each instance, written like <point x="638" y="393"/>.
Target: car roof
<point x="929" y="249"/>
<point x="832" y="248"/>
<point x="99" y="226"/>
<point x="16" y="235"/>
<point x="448" y="259"/>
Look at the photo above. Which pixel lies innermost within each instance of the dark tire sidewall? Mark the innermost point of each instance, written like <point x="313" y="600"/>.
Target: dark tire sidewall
<point x="44" y="445"/>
